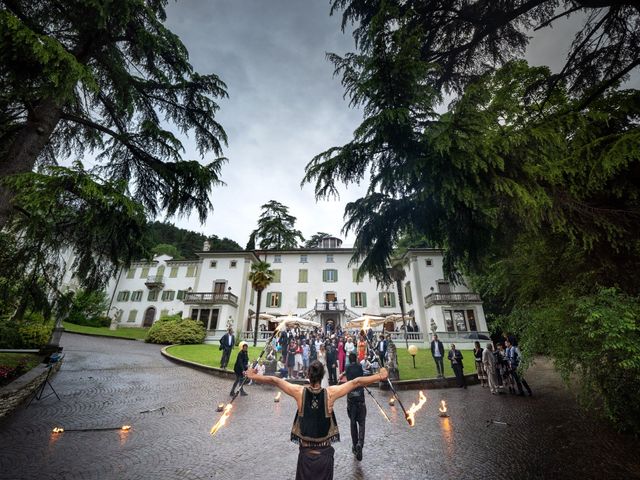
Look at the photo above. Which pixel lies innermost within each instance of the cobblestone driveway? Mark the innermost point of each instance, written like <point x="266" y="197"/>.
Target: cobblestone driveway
<point x="107" y="382"/>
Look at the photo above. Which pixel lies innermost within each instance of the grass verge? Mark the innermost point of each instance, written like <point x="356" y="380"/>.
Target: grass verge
<point x="131" y="332"/>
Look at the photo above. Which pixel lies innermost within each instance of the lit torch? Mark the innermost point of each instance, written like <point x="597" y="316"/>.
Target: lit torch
<point x="443" y="409"/>
<point x="57" y="430"/>
<point x="227" y="410"/>
<point x="223" y="419"/>
<point x="365" y="327"/>
<point x="277" y="398"/>
<point x="125" y="428"/>
<point x="411" y="414"/>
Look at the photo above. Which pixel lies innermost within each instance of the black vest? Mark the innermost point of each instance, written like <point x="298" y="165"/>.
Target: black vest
<point x="315" y="426"/>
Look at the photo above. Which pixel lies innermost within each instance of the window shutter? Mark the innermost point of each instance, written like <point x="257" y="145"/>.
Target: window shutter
<point x="302" y="299"/>
<point x="354" y="275"/>
<point x="144" y="273"/>
<point x="132" y="316"/>
<point x="279" y="299"/>
<point x="160" y="271"/>
<point x="364" y="299"/>
<point x="392" y="299"/>
<point x="181" y="294"/>
<point x="407" y="293"/>
<point x="353" y="299"/>
<point x="269" y="295"/>
<point x="276" y="275"/>
<point x="174" y="272"/>
<point x="131" y="273"/>
<point x="325" y="274"/>
<point x="381" y="299"/>
<point x="335" y="275"/>
<point x="303" y="275"/>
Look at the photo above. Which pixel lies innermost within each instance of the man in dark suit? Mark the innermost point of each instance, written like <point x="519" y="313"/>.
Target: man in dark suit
<point x="356" y="407"/>
<point x="437" y="352"/>
<point x="226" y="345"/>
<point x="241" y="365"/>
<point x="381" y="350"/>
<point x="455" y="357"/>
<point x="332" y="362"/>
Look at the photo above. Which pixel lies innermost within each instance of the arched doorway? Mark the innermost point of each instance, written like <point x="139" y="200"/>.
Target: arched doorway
<point x="149" y="317"/>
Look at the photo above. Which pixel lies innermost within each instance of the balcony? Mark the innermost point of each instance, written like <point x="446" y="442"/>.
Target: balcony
<point x="210" y="298"/>
<point x="155" y="281"/>
<point x="451" y="299"/>
<point x="334" y="306"/>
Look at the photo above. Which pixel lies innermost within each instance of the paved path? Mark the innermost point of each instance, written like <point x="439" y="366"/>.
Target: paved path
<point x="107" y="382"/>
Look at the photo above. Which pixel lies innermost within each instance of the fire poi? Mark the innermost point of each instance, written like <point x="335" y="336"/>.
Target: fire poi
<point x="443" y="409"/>
<point x="411" y="414"/>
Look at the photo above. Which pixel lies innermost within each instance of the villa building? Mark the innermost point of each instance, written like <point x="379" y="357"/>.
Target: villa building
<point x="314" y="283"/>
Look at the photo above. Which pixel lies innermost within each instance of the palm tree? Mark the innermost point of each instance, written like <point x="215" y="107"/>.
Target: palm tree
<point x="397" y="273"/>
<point x="260" y="277"/>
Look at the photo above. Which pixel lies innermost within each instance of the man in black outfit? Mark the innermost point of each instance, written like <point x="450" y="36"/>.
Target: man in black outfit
<point x="332" y="362"/>
<point x="226" y="345"/>
<point x="381" y="350"/>
<point x="356" y="407"/>
<point x="241" y="365"/>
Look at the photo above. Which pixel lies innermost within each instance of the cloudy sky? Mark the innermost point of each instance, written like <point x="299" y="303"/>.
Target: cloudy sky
<point x="284" y="104"/>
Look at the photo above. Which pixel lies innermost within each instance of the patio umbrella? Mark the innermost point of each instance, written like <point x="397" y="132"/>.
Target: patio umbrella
<point x="359" y="322"/>
<point x="290" y="320"/>
<point x="263" y="316"/>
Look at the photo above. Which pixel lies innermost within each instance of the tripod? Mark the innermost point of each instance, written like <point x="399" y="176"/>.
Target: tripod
<point x="38" y="394"/>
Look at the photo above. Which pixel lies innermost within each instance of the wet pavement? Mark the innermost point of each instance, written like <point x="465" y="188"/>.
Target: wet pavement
<point x="107" y="383"/>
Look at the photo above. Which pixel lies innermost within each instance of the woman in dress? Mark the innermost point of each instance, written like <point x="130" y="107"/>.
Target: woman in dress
<point x="349" y="347"/>
<point x="291" y="357"/>
<point x="477" y="353"/>
<point x="322" y="358"/>
<point x="362" y="347"/>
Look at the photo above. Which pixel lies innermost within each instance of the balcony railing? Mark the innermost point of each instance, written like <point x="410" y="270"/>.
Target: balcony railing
<point x="155" y="281"/>
<point x="330" y="306"/>
<point x="263" y="335"/>
<point x="210" y="298"/>
<point x="451" y="298"/>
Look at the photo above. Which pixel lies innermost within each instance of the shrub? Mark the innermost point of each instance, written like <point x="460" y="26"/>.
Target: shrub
<point x="176" y="330"/>
<point x="87" y="308"/>
<point x="33" y="331"/>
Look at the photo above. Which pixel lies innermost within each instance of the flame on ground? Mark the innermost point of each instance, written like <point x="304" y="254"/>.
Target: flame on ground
<point x="277" y="399"/>
<point x="125" y="427"/>
<point x="411" y="414"/>
<point x="223" y="419"/>
<point x="58" y="430"/>
<point x="443" y="406"/>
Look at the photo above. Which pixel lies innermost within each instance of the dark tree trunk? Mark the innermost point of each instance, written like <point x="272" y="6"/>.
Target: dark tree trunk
<point x="255" y="328"/>
<point x="25" y="147"/>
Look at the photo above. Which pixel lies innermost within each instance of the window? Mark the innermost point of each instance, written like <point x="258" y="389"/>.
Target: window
<point x="302" y="299"/>
<point x="132" y="316"/>
<point x="174" y="272"/>
<point x="329" y="257"/>
<point x="407" y="293"/>
<point x="387" y="299"/>
<point x="448" y="321"/>
<point x="233" y="264"/>
<point x="354" y="276"/>
<point x="131" y="273"/>
<point x="455" y="320"/>
<point x="123" y="296"/>
<point x="303" y="258"/>
<point x="194" y="314"/>
<point x="168" y="295"/>
<point x="428" y="262"/>
<point x="181" y="294"/>
<point x="213" y="264"/>
<point x="160" y="271"/>
<point x="136" y="296"/>
<point x="219" y="286"/>
<point x="153" y="296"/>
<point x="277" y="259"/>
<point x="144" y="273"/>
<point x="330" y="275"/>
<point x="443" y="286"/>
<point x="303" y="275"/>
<point x="191" y="270"/>
<point x="274" y="299"/>
<point x="471" y="317"/>
<point x="276" y="275"/>
<point x="358" y="299"/>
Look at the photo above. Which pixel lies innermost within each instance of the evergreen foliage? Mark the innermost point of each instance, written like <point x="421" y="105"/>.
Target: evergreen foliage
<point x="186" y="242"/>
<point x="275" y="229"/>
<point x="88" y="308"/>
<point x="315" y="240"/>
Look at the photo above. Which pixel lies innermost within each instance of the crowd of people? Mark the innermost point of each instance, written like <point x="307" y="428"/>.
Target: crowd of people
<point x="496" y="366"/>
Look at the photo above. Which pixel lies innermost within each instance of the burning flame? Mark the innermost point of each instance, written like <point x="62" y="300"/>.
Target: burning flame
<point x="392" y="401"/>
<point x="58" y="430"/>
<point x="126" y="427"/>
<point x="223" y="419"/>
<point x="411" y="414"/>
<point x="277" y="399"/>
<point x="443" y="406"/>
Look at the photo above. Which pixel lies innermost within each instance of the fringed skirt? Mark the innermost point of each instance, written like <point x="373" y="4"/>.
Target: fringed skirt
<point x="315" y="463"/>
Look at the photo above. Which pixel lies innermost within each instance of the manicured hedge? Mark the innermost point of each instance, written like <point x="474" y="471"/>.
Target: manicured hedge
<point x="176" y="330"/>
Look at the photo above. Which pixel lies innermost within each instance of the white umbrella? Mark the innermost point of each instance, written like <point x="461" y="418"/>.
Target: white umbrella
<point x="289" y="320"/>
<point x="396" y="317"/>
<point x="360" y="322"/>
<point x="263" y="316"/>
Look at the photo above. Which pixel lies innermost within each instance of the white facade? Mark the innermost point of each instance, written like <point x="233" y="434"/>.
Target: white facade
<point x="315" y="283"/>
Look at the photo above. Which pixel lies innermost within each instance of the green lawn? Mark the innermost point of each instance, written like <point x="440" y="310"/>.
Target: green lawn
<point x="425" y="367"/>
<point x="132" y="332"/>
<point x="13" y="359"/>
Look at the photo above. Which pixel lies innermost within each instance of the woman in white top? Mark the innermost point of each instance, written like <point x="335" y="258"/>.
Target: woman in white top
<point x="348" y="348"/>
<point x="322" y="358"/>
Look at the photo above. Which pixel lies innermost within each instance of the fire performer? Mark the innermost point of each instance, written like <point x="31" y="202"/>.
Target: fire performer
<point x="241" y="366"/>
<point x="314" y="426"/>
